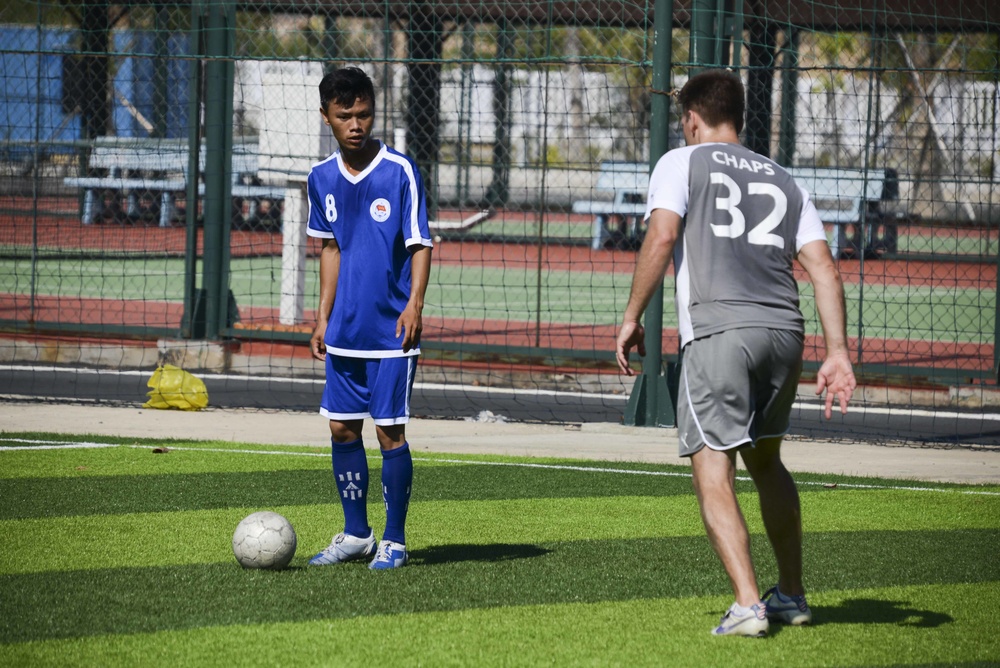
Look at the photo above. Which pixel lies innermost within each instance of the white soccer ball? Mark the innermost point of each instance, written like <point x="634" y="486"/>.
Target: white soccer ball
<point x="264" y="540"/>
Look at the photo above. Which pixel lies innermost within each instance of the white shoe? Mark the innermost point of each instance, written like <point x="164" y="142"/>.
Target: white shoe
<point x="345" y="547"/>
<point x="389" y="555"/>
<point x="751" y="622"/>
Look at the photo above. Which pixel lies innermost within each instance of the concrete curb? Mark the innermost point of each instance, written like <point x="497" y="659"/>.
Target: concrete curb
<point x="590" y="441"/>
<point x="202" y="356"/>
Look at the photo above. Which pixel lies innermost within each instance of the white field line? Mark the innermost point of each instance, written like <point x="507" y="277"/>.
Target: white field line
<point x="478" y="389"/>
<point x="48" y="445"/>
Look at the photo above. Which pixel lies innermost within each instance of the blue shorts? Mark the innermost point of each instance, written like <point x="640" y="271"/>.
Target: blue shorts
<point x="358" y="388"/>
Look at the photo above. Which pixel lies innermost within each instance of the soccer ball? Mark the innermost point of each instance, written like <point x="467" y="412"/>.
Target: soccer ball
<point x="264" y="540"/>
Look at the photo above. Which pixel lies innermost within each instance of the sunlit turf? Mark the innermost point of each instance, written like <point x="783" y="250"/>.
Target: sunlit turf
<point x="893" y="626"/>
<point x="121" y="556"/>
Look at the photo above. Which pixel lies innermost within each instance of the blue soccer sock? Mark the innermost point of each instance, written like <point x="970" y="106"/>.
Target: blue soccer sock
<point x="397" y="478"/>
<point x="350" y="471"/>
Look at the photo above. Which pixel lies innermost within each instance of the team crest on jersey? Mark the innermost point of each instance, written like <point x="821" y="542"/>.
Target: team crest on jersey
<point x="380" y="209"/>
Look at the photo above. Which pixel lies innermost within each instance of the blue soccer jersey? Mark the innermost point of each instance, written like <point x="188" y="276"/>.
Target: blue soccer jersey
<point x="375" y="217"/>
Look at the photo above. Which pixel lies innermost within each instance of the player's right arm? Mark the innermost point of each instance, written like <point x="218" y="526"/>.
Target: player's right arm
<point x="329" y="270"/>
<point x="654" y="258"/>
<point x="836" y="375"/>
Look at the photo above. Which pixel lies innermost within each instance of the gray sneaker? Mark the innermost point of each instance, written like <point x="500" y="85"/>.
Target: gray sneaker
<point x="345" y="547"/>
<point x="752" y="623"/>
<point x="791" y="610"/>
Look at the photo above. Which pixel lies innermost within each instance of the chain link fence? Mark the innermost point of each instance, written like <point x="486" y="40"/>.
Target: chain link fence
<point x="531" y="123"/>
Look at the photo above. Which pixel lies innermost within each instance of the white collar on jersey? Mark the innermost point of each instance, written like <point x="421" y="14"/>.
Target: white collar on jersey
<point x="357" y="178"/>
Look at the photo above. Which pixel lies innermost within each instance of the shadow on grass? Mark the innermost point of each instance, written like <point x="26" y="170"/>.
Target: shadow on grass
<point x="441" y="554"/>
<point x="872" y="611"/>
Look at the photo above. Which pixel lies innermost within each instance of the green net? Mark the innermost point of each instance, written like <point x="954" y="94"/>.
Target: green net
<point x="531" y="124"/>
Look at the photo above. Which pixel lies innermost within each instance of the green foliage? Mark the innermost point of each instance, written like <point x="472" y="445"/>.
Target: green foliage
<point x="632" y="46"/>
<point x="27" y="12"/>
<point x="843" y="49"/>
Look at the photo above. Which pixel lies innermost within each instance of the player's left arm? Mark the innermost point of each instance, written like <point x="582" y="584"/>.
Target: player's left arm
<point x="836" y="375"/>
<point x="410" y="322"/>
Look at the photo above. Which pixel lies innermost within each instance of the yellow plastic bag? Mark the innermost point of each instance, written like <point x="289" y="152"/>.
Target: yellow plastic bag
<point x="174" y="387"/>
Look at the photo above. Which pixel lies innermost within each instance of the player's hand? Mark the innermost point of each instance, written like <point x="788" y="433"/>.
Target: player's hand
<point x="410" y="324"/>
<point x="836" y="377"/>
<point x="316" y="345"/>
<point x="631" y="335"/>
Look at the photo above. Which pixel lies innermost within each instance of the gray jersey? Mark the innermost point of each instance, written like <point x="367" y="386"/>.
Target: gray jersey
<point x="744" y="220"/>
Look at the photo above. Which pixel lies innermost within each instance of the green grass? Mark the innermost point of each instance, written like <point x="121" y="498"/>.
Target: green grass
<point x="526" y="230"/>
<point x="120" y="556"/>
<point x="981" y="246"/>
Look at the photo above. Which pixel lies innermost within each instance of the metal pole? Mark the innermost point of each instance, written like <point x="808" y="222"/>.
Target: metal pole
<point x="193" y="323"/>
<point x="161" y="48"/>
<point x="468" y="88"/>
<point x="499" y="190"/>
<point x="996" y="313"/>
<point x="650" y="403"/>
<point x="94" y="25"/>
<point x="425" y="39"/>
<point x="330" y="51"/>
<point x="35" y="171"/>
<point x="703" y="36"/>
<point x="760" y="83"/>
<point x="789" y="95"/>
<point x="219" y="78"/>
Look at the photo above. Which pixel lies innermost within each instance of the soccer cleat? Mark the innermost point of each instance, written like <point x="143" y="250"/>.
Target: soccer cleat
<point x="389" y="555"/>
<point x="751" y="622"/>
<point x="787" y="609"/>
<point x="345" y="547"/>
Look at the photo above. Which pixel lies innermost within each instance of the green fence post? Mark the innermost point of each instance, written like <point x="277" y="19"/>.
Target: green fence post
<point x="161" y="48"/>
<point x="499" y="190"/>
<point x="996" y="300"/>
<point x="760" y="83"/>
<point x="650" y="404"/>
<point x="95" y="28"/>
<point x="996" y="323"/>
<point x="193" y="321"/>
<point x="996" y="311"/>
<point x="331" y="53"/>
<point x="424" y="41"/>
<point x="789" y="95"/>
<point x="703" y="37"/>
<point x="219" y="80"/>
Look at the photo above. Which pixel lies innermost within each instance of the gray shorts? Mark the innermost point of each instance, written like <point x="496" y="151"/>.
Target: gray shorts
<point x="736" y="387"/>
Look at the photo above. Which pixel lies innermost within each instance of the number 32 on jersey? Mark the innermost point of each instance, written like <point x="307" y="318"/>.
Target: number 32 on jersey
<point x="760" y="234"/>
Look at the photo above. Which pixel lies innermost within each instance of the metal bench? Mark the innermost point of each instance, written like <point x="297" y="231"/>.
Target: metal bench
<point x="841" y="197"/>
<point x="617" y="220"/>
<point x="246" y="165"/>
<point x="137" y="168"/>
<point x="133" y="169"/>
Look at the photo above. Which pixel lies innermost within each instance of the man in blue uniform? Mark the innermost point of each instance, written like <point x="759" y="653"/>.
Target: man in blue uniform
<point x="734" y="221"/>
<point x="367" y="204"/>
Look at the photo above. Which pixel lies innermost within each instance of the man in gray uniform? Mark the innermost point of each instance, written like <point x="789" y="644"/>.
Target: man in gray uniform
<point x="741" y="220"/>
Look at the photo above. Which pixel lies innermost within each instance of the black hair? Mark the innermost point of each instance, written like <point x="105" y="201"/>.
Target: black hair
<point x="344" y="86"/>
<point x="717" y="96"/>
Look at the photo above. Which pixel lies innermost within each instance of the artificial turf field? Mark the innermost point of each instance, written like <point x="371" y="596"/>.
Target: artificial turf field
<point x="117" y="555"/>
